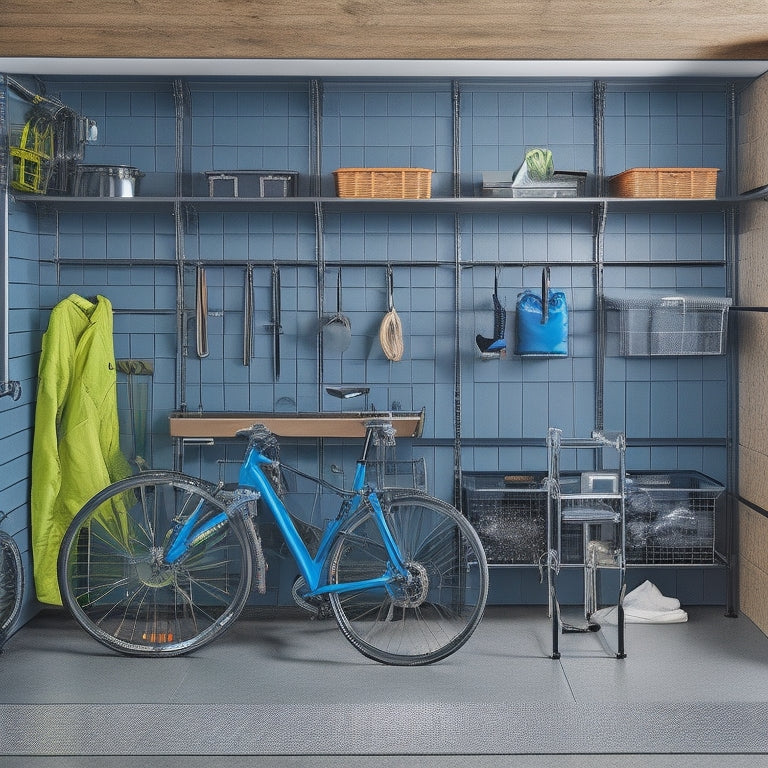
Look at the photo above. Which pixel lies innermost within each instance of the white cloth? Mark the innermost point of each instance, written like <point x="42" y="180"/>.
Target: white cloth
<point x="644" y="605"/>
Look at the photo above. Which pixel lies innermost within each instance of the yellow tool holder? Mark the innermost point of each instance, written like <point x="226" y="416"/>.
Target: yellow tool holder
<point x="32" y="158"/>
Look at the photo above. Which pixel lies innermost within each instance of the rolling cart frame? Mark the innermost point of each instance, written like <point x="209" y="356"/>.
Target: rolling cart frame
<point x="598" y="499"/>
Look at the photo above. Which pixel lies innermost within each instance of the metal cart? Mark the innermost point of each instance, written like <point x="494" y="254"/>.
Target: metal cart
<point x="586" y="528"/>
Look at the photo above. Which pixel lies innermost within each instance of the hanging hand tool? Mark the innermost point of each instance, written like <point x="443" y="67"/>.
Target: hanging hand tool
<point x="496" y="346"/>
<point x="391" y="329"/>
<point x="138" y="374"/>
<point x="277" y="328"/>
<point x="337" y="329"/>
<point x="201" y="311"/>
<point x="248" y="317"/>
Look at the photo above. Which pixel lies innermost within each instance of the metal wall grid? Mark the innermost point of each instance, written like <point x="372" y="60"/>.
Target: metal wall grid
<point x="670" y="408"/>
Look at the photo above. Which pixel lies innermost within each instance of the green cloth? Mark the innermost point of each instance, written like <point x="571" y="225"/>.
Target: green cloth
<point x="76" y="447"/>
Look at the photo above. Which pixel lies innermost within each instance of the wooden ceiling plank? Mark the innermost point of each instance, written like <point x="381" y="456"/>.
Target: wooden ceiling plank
<point x="389" y="29"/>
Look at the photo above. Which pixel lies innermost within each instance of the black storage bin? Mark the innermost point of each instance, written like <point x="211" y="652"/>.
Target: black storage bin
<point x="252" y="183"/>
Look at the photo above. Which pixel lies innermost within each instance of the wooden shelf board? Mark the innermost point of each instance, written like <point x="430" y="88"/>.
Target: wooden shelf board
<point x="352" y="424"/>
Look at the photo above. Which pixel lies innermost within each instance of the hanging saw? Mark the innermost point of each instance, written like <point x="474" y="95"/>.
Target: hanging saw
<point x="248" y="316"/>
<point x="495" y="347"/>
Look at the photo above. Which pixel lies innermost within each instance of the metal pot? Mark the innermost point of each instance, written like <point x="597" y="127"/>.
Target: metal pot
<point x="106" y="181"/>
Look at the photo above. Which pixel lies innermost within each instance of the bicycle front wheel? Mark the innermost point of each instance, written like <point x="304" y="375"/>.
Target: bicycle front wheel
<point x="433" y="612"/>
<point x="113" y="575"/>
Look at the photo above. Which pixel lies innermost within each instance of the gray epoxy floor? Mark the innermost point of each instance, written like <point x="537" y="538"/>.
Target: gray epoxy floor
<point x="294" y="692"/>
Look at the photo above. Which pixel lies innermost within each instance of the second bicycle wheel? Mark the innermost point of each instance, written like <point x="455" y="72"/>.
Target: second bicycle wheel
<point x="11" y="585"/>
<point x="431" y="614"/>
<point x="114" y="578"/>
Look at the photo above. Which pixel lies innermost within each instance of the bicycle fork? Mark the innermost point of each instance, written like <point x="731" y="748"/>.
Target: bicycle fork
<point x="191" y="532"/>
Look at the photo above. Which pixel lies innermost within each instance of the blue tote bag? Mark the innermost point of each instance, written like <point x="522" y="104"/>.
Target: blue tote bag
<point x="542" y="321"/>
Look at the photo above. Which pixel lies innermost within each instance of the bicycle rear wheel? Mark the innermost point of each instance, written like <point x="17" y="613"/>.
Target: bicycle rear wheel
<point x="115" y="581"/>
<point x="11" y="585"/>
<point x="431" y="614"/>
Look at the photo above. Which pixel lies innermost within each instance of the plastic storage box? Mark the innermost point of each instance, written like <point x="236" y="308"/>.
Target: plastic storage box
<point x="562" y="184"/>
<point x="666" y="324"/>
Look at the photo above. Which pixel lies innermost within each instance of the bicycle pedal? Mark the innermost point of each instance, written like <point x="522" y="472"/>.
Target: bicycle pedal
<point x="568" y="629"/>
<point x="323" y="612"/>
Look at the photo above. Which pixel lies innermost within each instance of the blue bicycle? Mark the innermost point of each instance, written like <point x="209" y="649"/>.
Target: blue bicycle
<point x="161" y="563"/>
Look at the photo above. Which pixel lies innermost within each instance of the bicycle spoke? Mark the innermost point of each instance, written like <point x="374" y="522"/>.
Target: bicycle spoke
<point x="115" y="579"/>
<point x="432" y="612"/>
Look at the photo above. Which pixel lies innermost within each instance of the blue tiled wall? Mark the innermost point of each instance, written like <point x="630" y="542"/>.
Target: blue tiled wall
<point x="666" y="127"/>
<point x="506" y="405"/>
<point x="17" y="417"/>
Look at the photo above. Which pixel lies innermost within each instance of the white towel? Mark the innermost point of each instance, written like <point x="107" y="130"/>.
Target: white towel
<point x="644" y="605"/>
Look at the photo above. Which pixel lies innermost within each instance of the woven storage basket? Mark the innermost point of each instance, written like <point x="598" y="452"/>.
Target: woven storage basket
<point x="383" y="182"/>
<point x="665" y="182"/>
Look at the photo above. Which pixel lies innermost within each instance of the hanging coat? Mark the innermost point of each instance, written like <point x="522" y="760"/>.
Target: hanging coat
<point x="76" y="447"/>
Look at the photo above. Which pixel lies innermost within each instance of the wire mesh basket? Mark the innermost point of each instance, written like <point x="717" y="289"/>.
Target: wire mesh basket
<point x="31" y="154"/>
<point x="671" y="518"/>
<point x="509" y="513"/>
<point x="647" y="324"/>
<point x="400" y="473"/>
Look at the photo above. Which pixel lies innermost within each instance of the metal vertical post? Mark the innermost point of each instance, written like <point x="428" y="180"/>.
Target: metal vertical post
<point x="180" y="98"/>
<point x="456" y="116"/>
<point x="598" y="114"/>
<point x="316" y="137"/>
<point x="598" y="235"/>
<point x="732" y="360"/>
<point x="320" y="261"/>
<point x="316" y="164"/>
<point x="7" y="387"/>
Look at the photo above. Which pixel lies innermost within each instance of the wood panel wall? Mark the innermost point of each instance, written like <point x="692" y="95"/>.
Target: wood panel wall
<point x="388" y="29"/>
<point x="753" y="357"/>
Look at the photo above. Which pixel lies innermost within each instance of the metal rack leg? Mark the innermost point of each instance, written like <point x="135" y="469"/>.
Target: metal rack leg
<point x="620" y="652"/>
<point x="555" y="625"/>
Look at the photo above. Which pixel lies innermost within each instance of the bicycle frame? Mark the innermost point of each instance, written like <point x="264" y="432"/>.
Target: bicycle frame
<point x="313" y="569"/>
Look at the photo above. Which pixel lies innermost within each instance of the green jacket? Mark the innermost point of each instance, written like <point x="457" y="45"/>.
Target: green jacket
<point x="76" y="447"/>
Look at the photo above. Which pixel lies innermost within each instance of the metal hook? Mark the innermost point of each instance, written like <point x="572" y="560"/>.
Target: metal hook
<point x="390" y="288"/>
<point x="12" y="388"/>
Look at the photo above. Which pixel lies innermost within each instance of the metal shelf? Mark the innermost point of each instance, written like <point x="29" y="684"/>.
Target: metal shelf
<point x="435" y="205"/>
<point x="100" y="204"/>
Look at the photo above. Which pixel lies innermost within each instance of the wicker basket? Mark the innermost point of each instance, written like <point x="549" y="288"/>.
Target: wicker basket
<point x="383" y="182"/>
<point x="665" y="182"/>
